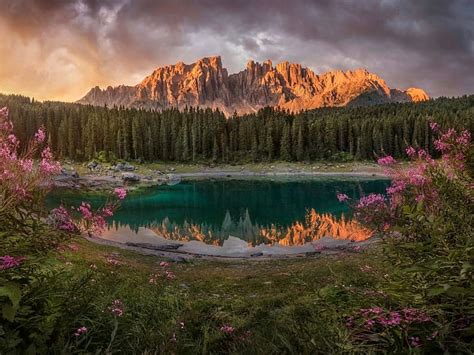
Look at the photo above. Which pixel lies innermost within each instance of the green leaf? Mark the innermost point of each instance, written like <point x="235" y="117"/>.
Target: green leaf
<point x="434" y="291"/>
<point x="11" y="290"/>
<point x="419" y="206"/>
<point x="9" y="311"/>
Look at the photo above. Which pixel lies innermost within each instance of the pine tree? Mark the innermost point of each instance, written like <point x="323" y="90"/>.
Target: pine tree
<point x="285" y="149"/>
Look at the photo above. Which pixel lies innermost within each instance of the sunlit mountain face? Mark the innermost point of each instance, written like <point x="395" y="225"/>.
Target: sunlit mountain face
<point x="286" y="86"/>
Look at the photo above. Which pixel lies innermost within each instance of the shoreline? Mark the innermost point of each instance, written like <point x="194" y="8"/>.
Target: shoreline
<point x="107" y="179"/>
<point x="328" y="246"/>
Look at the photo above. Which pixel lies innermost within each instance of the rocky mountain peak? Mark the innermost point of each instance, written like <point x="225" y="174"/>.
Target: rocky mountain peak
<point x="206" y="83"/>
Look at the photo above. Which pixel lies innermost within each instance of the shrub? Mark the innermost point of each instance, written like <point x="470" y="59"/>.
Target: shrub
<point x="33" y="289"/>
<point x="426" y="221"/>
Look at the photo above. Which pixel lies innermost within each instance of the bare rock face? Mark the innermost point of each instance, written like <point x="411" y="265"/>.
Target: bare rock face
<point x="287" y="86"/>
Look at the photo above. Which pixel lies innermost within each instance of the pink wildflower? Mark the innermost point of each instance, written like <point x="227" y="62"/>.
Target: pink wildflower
<point x="60" y="219"/>
<point x="13" y="139"/>
<point x="342" y="197"/>
<point x="117" y="308"/>
<point x="120" y="192"/>
<point x="153" y="279"/>
<point x="85" y="209"/>
<point x="227" y="329"/>
<point x="419" y="198"/>
<point x="80" y="331"/>
<point x="410" y="151"/>
<point x="434" y="126"/>
<point x="107" y="211"/>
<point x="433" y="335"/>
<point x="164" y="264"/>
<point x="415" y="342"/>
<point x="40" y="136"/>
<point x="8" y="262"/>
<point x="26" y="165"/>
<point x="73" y="247"/>
<point x="370" y="200"/>
<point x="113" y="261"/>
<point x="386" y="161"/>
<point x="47" y="164"/>
<point x="169" y="275"/>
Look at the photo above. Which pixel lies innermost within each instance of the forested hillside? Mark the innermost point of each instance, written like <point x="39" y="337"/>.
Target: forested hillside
<point x="81" y="132"/>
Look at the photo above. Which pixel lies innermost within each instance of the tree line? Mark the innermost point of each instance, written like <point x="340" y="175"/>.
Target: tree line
<point x="81" y="132"/>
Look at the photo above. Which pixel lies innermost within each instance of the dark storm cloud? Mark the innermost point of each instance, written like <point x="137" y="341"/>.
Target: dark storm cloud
<point x="428" y="43"/>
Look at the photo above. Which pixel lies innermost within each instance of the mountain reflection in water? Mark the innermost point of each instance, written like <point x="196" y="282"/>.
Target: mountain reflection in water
<point x="315" y="226"/>
<point x="288" y="212"/>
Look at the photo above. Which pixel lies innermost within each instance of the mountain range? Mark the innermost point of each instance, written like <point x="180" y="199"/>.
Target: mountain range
<point x="206" y="83"/>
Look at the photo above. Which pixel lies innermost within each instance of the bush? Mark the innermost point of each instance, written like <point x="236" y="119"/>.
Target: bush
<point x="33" y="290"/>
<point x="426" y="221"/>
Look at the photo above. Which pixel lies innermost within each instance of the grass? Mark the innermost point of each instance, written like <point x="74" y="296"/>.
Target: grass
<point x="279" y="306"/>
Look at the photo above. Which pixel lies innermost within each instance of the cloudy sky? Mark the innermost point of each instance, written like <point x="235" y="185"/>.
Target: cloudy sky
<point x="59" y="49"/>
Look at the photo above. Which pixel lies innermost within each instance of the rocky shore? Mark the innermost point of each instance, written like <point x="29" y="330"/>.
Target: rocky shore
<point x="99" y="177"/>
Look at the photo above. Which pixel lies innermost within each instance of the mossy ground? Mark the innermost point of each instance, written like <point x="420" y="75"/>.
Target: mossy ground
<point x="279" y="306"/>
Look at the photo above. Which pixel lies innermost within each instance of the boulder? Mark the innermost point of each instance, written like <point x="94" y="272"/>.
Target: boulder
<point x="130" y="177"/>
<point x="124" y="167"/>
<point x="92" y="165"/>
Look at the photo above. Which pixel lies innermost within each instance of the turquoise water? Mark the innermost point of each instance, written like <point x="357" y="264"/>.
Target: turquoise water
<point x="235" y="206"/>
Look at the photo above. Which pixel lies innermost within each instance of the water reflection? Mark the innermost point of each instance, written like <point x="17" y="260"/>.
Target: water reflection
<point x="258" y="211"/>
<point x="315" y="226"/>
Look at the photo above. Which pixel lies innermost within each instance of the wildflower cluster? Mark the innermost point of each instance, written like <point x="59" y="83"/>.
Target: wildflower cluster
<point x="414" y="184"/>
<point x="120" y="192"/>
<point x="113" y="260"/>
<point x="80" y="331"/>
<point x="227" y="329"/>
<point x="9" y="262"/>
<point x="116" y="308"/>
<point x="84" y="218"/>
<point x="427" y="214"/>
<point x="22" y="181"/>
<point x="378" y="320"/>
<point x="167" y="274"/>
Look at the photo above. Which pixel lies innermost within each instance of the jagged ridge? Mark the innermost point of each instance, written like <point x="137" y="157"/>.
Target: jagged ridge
<point x="288" y="86"/>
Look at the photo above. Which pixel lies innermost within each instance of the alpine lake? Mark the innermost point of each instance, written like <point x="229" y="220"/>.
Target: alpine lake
<point x="259" y="211"/>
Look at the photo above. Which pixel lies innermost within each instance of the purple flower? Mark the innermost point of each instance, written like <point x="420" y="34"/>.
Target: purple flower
<point x="415" y="342"/>
<point x="120" y="192"/>
<point x="386" y="161"/>
<point x="370" y="200"/>
<point x="434" y="126"/>
<point x="117" y="308"/>
<point x="410" y="151"/>
<point x="8" y="262"/>
<point x="342" y="197"/>
<point x="227" y="329"/>
<point x="80" y="331"/>
<point x="40" y="136"/>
